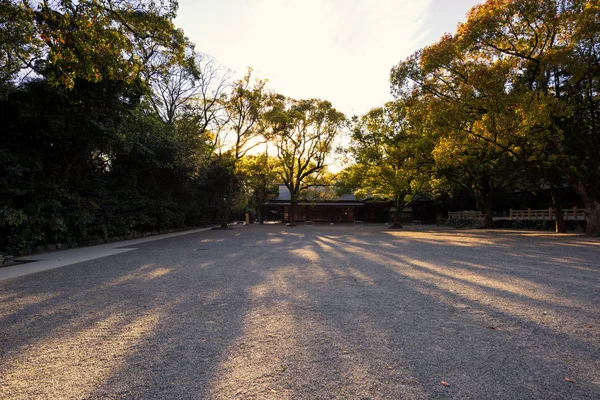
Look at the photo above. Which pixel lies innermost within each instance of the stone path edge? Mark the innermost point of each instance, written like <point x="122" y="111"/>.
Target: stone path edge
<point x="56" y="259"/>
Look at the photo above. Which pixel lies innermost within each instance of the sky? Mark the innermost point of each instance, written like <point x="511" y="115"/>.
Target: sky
<point x="337" y="50"/>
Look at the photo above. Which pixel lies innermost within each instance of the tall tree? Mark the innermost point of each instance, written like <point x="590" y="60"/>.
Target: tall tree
<point x="259" y="181"/>
<point x="392" y="159"/>
<point x="244" y="109"/>
<point x="523" y="76"/>
<point x="303" y="132"/>
<point x="83" y="155"/>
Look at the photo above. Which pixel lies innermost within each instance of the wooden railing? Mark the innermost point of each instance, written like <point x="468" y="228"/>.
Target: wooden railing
<point x="465" y="215"/>
<point x="549" y="214"/>
<point x="529" y="214"/>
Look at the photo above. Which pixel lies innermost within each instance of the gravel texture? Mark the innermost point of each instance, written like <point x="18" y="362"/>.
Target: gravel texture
<point x="324" y="312"/>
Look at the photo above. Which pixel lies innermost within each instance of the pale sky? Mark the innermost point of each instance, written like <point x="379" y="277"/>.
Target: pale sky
<point x="338" y="50"/>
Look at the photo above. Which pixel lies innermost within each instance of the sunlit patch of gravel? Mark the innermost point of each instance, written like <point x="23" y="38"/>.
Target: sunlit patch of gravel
<point x="326" y="312"/>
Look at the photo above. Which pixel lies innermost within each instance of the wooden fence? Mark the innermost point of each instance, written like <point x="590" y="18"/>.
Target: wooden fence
<point x="548" y="214"/>
<point x="529" y="214"/>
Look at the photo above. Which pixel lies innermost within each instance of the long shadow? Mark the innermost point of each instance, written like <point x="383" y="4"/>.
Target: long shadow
<point x="466" y="270"/>
<point x="270" y="312"/>
<point x="489" y="351"/>
<point x="189" y="353"/>
<point x="512" y="359"/>
<point x="511" y="281"/>
<point x="118" y="327"/>
<point x="561" y="274"/>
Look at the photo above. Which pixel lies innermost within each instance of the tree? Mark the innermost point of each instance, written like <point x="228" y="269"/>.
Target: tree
<point x="67" y="40"/>
<point x="259" y="181"/>
<point x="477" y="168"/>
<point x="520" y="73"/>
<point x="244" y="109"/>
<point x="197" y="89"/>
<point x="535" y="75"/>
<point x="391" y="158"/>
<point x="19" y="43"/>
<point x="84" y="156"/>
<point x="303" y="132"/>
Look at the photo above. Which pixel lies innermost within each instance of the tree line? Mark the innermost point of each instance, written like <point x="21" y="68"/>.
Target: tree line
<point x="113" y="124"/>
<point x="510" y="101"/>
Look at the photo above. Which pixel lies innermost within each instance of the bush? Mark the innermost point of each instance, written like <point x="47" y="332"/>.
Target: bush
<point x="461" y="223"/>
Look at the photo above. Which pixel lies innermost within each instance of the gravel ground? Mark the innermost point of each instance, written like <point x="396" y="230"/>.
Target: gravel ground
<point x="324" y="312"/>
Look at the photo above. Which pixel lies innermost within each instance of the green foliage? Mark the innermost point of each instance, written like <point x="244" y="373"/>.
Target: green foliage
<point x="243" y="111"/>
<point x="92" y="163"/>
<point x="84" y="156"/>
<point x="113" y="126"/>
<point x="92" y="40"/>
<point x="392" y="158"/>
<point x="515" y="89"/>
<point x="303" y="132"/>
<point x="257" y="181"/>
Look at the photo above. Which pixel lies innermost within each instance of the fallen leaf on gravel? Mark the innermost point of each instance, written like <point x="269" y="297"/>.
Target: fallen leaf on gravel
<point x="569" y="380"/>
<point x="492" y="327"/>
<point x="589" y="326"/>
<point x="445" y="383"/>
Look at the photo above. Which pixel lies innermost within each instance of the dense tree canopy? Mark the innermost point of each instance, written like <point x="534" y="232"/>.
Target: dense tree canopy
<point x="86" y="154"/>
<point x="66" y="40"/>
<point x="114" y="125"/>
<point x="303" y="132"/>
<point x="391" y="158"/>
<point x="514" y="89"/>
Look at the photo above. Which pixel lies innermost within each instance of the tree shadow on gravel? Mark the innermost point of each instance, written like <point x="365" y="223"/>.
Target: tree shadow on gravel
<point x="375" y="330"/>
<point x="115" y="328"/>
<point x="304" y="313"/>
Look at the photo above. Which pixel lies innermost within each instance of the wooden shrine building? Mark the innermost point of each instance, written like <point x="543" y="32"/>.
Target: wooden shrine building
<point x="321" y="204"/>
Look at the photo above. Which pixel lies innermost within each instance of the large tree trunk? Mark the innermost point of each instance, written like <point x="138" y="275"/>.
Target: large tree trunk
<point x="259" y="216"/>
<point x="396" y="224"/>
<point x="561" y="226"/>
<point x="487" y="202"/>
<point x="593" y="209"/>
<point x="229" y="205"/>
<point x="292" y="213"/>
<point x="593" y="217"/>
<point x="488" y="214"/>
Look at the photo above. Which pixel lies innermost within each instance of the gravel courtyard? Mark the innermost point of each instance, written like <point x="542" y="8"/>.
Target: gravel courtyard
<point x="324" y="312"/>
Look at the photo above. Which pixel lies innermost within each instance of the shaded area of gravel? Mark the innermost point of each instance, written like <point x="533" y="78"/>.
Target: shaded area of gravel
<point x="312" y="312"/>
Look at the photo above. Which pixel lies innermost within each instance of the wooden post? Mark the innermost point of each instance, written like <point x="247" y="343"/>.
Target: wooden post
<point x="510" y="214"/>
<point x="574" y="213"/>
<point x="529" y="213"/>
